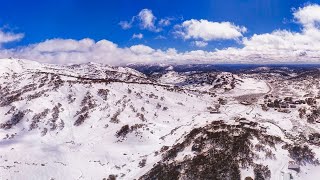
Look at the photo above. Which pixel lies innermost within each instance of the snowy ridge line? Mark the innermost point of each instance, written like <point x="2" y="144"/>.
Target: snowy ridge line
<point x="93" y="79"/>
<point x="113" y="80"/>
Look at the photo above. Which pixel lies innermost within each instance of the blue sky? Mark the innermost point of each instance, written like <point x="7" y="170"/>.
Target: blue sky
<point x="97" y="19"/>
<point x="41" y="20"/>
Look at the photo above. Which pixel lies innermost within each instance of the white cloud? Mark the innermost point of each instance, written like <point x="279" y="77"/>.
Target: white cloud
<point x="165" y="22"/>
<point x="207" y="31"/>
<point x="283" y="45"/>
<point x="125" y="24"/>
<point x="6" y="37"/>
<point x="160" y="37"/>
<point x="62" y="45"/>
<point x="69" y="51"/>
<point x="137" y="36"/>
<point x="308" y="16"/>
<point x="199" y="43"/>
<point x="141" y="49"/>
<point x="147" y="20"/>
<point x="278" y="46"/>
<point x="266" y="48"/>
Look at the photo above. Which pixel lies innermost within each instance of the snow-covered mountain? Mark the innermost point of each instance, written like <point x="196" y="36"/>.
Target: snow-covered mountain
<point x="93" y="121"/>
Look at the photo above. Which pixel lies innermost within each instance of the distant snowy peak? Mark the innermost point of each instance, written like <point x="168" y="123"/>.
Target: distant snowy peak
<point x="172" y="77"/>
<point x="264" y="68"/>
<point x="98" y="67"/>
<point x="17" y="65"/>
<point x="87" y="70"/>
<point x="170" y="68"/>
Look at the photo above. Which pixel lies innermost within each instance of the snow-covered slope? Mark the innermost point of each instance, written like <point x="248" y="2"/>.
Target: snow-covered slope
<point x="93" y="121"/>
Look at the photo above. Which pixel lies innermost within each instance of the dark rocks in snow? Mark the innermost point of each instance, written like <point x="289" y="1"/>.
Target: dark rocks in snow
<point x="103" y="93"/>
<point x="213" y="147"/>
<point x="37" y="117"/>
<point x="123" y="131"/>
<point x="302" y="155"/>
<point x="142" y="163"/>
<point x="15" y="119"/>
<point x="87" y="103"/>
<point x="261" y="172"/>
